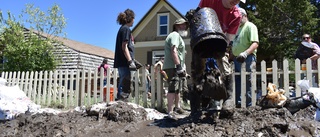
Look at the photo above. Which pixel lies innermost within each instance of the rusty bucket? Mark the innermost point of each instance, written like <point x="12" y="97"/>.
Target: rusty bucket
<point x="207" y="37"/>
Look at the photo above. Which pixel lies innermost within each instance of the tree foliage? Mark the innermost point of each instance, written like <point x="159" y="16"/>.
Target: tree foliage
<point x="28" y="42"/>
<point x="281" y="24"/>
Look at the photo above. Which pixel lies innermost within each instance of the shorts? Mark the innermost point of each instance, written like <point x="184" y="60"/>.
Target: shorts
<point x="176" y="84"/>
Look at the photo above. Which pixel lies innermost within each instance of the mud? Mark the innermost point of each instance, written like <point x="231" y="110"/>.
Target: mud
<point x="124" y="120"/>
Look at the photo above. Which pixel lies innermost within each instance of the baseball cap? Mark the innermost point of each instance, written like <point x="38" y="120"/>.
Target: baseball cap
<point x="242" y="11"/>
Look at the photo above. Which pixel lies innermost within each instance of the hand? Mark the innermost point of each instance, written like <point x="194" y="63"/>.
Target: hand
<point x="180" y="71"/>
<point x="138" y="64"/>
<point x="242" y="57"/>
<point x="164" y="74"/>
<point x="132" y="66"/>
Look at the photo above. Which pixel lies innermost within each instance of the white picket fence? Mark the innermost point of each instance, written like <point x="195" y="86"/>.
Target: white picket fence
<point x="71" y="88"/>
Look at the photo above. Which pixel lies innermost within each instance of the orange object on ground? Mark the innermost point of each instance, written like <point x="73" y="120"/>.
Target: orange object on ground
<point x="105" y="94"/>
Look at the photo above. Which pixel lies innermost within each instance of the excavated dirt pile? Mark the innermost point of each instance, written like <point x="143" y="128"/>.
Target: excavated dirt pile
<point x="124" y="120"/>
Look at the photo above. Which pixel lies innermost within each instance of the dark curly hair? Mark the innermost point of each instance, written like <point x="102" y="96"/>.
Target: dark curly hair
<point x="125" y="17"/>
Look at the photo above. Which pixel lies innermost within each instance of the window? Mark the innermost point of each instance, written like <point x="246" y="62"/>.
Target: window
<point x="156" y="55"/>
<point x="163" y="22"/>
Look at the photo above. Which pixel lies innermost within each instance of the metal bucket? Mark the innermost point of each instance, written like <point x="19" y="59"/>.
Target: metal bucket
<point x="207" y="37"/>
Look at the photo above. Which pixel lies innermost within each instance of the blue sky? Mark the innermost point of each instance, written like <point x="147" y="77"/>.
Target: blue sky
<point x="94" y="21"/>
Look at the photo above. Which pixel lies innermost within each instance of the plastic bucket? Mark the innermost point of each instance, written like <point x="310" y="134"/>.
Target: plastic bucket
<point x="105" y="94"/>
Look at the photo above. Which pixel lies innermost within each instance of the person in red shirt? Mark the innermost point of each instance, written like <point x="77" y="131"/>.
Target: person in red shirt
<point x="229" y="18"/>
<point x="228" y="15"/>
<point x="105" y="66"/>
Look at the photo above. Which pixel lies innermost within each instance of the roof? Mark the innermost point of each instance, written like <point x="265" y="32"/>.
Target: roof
<point x="81" y="47"/>
<point x="87" y="48"/>
<point x="149" y="11"/>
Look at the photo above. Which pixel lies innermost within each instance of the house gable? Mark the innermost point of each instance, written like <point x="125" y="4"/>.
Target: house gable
<point x="146" y="29"/>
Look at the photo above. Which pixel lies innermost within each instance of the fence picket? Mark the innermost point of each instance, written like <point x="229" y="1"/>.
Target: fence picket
<point x="152" y="87"/>
<point x="297" y="76"/>
<point x="26" y="83"/>
<point x="17" y="79"/>
<point x="55" y="85"/>
<point x="95" y="83"/>
<point x="30" y="84"/>
<point x="45" y="84"/>
<point x="275" y="75"/>
<point x="39" y="87"/>
<point x="144" y="85"/>
<point x="264" y="81"/>
<point x="309" y="71"/>
<point x="286" y="79"/>
<point x="83" y="78"/>
<point x="14" y="82"/>
<point x="136" y="86"/>
<point x="108" y="87"/>
<point x="102" y="95"/>
<point x="243" y="85"/>
<point x="77" y="96"/>
<point x="34" y="91"/>
<point x="88" y="88"/>
<point x="65" y="89"/>
<point x="50" y="92"/>
<point x="22" y="80"/>
<point x="253" y="85"/>
<point x="71" y="94"/>
<point x="60" y="86"/>
<point x="9" y="79"/>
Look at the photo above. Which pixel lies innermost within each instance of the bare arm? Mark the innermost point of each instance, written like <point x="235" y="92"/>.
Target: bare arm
<point x="252" y="47"/>
<point x="126" y="50"/>
<point x="174" y="54"/>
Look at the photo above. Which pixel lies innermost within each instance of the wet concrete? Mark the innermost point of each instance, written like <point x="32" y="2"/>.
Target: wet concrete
<point x="124" y="120"/>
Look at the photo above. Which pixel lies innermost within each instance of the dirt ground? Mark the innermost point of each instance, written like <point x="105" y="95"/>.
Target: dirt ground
<point x="125" y="120"/>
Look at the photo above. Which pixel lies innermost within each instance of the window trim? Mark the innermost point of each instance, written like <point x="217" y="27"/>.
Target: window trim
<point x="156" y="53"/>
<point x="158" y="23"/>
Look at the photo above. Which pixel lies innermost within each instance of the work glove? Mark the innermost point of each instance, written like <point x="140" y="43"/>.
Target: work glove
<point x="242" y="57"/>
<point x="132" y="65"/>
<point x="138" y="64"/>
<point x="180" y="71"/>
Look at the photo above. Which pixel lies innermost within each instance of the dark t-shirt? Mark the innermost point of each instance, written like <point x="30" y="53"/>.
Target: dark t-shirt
<point x="303" y="52"/>
<point x="124" y="34"/>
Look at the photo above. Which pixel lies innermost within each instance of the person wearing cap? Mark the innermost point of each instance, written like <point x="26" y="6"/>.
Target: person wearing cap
<point x="229" y="18"/>
<point x="174" y="64"/>
<point x="244" y="49"/>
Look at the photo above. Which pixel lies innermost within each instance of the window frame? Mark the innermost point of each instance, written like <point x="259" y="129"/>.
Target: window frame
<point x="159" y="25"/>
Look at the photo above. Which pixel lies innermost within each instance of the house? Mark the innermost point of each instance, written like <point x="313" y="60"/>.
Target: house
<point x="79" y="55"/>
<point x="76" y="55"/>
<point x="152" y="30"/>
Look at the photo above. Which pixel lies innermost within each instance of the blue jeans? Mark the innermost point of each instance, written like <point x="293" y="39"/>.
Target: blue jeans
<point x="147" y="85"/>
<point x="237" y="65"/>
<point x="124" y="78"/>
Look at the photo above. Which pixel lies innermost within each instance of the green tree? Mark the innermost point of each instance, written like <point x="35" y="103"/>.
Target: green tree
<point x="32" y="48"/>
<point x="316" y="36"/>
<point x="281" y="23"/>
